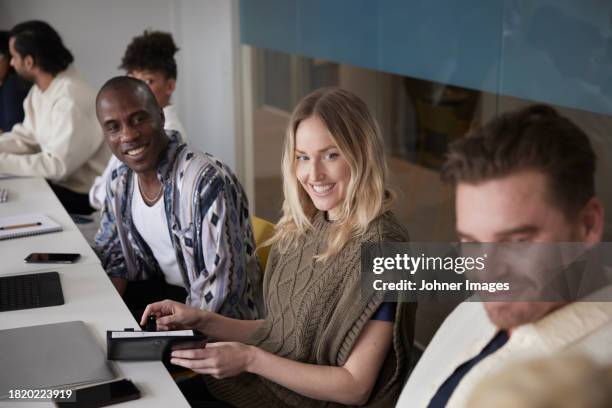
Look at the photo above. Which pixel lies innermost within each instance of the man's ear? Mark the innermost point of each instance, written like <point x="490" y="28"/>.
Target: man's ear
<point x="170" y="86"/>
<point x="592" y="221"/>
<point x="28" y="62"/>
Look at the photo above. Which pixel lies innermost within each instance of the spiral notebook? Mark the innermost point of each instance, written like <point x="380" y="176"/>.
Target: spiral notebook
<point x="27" y="225"/>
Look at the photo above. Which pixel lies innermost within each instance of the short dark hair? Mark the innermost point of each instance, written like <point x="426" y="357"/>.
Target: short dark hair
<point x="39" y="40"/>
<point x="123" y="82"/>
<point x="537" y="138"/>
<point x="151" y="51"/>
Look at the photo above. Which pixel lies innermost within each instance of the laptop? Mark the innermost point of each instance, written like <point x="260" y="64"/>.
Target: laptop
<point x="30" y="291"/>
<point x="59" y="355"/>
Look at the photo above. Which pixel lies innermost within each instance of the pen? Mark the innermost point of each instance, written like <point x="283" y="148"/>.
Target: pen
<point x="8" y="227"/>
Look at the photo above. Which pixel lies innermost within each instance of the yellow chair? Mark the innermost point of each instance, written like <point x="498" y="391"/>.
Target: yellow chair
<point x="262" y="231"/>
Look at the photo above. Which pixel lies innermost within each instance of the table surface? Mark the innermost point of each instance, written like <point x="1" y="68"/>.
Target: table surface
<point x="88" y="293"/>
<point x="33" y="195"/>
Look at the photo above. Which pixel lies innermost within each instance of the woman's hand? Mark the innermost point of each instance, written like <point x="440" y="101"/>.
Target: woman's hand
<point x="220" y="360"/>
<point x="173" y="315"/>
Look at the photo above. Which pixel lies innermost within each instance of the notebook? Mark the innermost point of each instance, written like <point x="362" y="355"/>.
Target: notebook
<point x="51" y="356"/>
<point x="26" y="225"/>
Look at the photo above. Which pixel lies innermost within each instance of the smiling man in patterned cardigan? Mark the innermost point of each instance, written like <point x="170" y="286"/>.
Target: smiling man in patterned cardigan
<point x="175" y="223"/>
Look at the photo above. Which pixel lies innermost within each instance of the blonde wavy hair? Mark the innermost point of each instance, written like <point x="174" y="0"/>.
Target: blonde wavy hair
<point x="356" y="133"/>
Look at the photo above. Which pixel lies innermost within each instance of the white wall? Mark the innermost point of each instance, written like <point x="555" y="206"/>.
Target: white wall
<point x="206" y="32"/>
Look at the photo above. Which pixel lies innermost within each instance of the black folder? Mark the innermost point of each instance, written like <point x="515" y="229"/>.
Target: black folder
<point x="129" y="345"/>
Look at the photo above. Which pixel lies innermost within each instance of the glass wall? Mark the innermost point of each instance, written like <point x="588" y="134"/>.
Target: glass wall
<point x="429" y="70"/>
<point x="418" y="119"/>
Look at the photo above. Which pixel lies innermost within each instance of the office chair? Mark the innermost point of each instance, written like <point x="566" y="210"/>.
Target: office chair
<point x="262" y="231"/>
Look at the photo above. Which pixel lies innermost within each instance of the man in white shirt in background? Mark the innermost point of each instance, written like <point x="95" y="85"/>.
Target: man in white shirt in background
<point x="527" y="177"/>
<point x="150" y="58"/>
<point x="59" y="138"/>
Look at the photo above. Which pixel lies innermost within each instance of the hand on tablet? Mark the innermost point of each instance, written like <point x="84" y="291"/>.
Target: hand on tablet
<point x="173" y="315"/>
<point x="221" y="360"/>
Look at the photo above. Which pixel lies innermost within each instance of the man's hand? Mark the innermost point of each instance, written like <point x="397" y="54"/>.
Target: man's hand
<point x="221" y="360"/>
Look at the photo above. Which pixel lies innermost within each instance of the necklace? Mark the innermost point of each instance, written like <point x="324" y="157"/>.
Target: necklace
<point x="150" y="201"/>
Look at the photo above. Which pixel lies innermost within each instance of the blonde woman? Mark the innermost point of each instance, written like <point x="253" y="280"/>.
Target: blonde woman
<point x="322" y="339"/>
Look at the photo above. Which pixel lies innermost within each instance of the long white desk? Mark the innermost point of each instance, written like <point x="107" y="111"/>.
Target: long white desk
<point x="88" y="293"/>
<point x="33" y="195"/>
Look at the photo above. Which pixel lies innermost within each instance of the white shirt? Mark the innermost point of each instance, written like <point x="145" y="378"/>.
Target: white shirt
<point x="584" y="327"/>
<point x="172" y="121"/>
<point x="97" y="193"/>
<point x="152" y="225"/>
<point x="60" y="138"/>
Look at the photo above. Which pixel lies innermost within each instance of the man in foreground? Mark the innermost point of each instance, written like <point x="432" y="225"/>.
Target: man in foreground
<point x="175" y="222"/>
<point x="525" y="177"/>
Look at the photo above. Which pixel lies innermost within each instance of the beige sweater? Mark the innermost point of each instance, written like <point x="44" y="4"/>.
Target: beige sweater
<point x="60" y="138"/>
<point x="580" y="327"/>
<point x="315" y="313"/>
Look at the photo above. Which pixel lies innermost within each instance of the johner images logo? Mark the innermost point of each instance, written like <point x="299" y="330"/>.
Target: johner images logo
<point x="564" y="271"/>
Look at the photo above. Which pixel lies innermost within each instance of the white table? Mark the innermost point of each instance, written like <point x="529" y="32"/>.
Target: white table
<point x="33" y="195"/>
<point x="88" y="293"/>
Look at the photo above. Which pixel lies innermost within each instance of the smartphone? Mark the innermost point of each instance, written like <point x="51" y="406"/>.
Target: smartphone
<point x="40" y="257"/>
<point x="101" y="395"/>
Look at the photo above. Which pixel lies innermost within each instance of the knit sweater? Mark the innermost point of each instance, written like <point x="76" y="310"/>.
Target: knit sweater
<point x="315" y="313"/>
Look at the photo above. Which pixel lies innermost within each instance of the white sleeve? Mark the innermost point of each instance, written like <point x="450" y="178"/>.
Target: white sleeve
<point x="67" y="145"/>
<point x="97" y="194"/>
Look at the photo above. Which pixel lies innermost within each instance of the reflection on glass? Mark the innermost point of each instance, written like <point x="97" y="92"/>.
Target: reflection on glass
<point x="418" y="119"/>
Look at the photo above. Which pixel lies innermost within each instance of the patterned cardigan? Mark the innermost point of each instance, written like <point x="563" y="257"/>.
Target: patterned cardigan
<point x="208" y="219"/>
